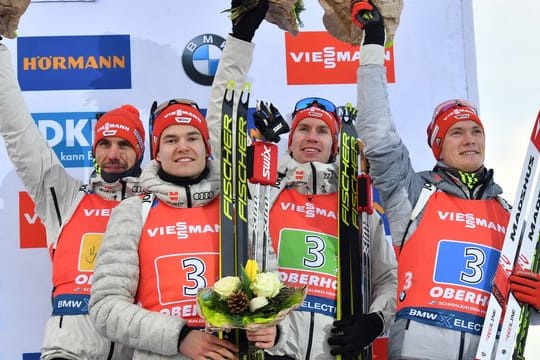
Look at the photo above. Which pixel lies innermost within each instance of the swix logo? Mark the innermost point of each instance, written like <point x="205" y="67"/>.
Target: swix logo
<point x="69" y="135"/>
<point x="74" y="62"/>
<point x="182" y="230"/>
<point x="267" y="162"/>
<point x="316" y="57"/>
<point x="31" y="231"/>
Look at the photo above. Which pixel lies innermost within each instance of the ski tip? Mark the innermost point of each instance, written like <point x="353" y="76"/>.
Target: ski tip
<point x="246" y="87"/>
<point x="231" y="85"/>
<point x="535" y="136"/>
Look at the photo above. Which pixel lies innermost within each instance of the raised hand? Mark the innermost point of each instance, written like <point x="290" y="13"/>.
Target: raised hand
<point x="10" y="14"/>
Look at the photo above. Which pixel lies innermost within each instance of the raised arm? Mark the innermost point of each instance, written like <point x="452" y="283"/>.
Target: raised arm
<point x="390" y="165"/>
<point x="34" y="160"/>
<point x="234" y="65"/>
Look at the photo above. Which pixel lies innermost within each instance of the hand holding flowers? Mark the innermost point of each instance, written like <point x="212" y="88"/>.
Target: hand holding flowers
<point x="251" y="301"/>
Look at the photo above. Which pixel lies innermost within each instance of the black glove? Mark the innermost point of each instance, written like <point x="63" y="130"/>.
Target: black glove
<point x="366" y="16"/>
<point x="245" y="24"/>
<point x="269" y="121"/>
<point x="353" y="334"/>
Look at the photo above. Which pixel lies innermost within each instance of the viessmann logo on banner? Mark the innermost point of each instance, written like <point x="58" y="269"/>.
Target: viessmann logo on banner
<point x="316" y="57"/>
<point x="74" y="62"/>
<point x="70" y="136"/>
<point x="31" y="230"/>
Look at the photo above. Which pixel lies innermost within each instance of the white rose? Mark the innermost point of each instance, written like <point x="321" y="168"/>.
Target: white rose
<point x="266" y="284"/>
<point x="225" y="286"/>
<point x="257" y="303"/>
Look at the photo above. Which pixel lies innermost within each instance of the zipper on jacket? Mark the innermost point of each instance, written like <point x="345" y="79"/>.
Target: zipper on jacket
<point x="314" y="177"/>
<point x="310" y="335"/>
<point x="111" y="351"/>
<point x="56" y="206"/>
<point x="123" y="191"/>
<point x="188" y="197"/>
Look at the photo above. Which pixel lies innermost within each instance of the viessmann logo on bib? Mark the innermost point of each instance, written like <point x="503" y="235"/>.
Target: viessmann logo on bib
<point x="74" y="62"/>
<point x="316" y="57"/>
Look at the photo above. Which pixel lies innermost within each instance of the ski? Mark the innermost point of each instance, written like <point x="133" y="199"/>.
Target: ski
<point x="234" y="195"/>
<point x="518" y="250"/>
<point x="524" y="320"/>
<point x="228" y="253"/>
<point x="353" y="249"/>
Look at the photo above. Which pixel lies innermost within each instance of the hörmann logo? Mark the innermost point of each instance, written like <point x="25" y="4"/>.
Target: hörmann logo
<point x="74" y="62"/>
<point x="201" y="58"/>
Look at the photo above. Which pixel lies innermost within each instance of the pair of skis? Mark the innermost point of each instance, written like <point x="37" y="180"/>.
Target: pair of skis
<point x="234" y="195"/>
<point x="520" y="251"/>
<point x="240" y="163"/>
<point x="355" y="203"/>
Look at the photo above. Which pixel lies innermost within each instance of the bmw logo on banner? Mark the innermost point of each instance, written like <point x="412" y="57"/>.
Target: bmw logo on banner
<point x="200" y="58"/>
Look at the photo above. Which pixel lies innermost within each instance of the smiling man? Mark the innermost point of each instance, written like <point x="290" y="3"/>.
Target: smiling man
<point x="456" y="136"/>
<point x="313" y="134"/>
<point x="446" y="222"/>
<point x="63" y="203"/>
<point x="150" y="278"/>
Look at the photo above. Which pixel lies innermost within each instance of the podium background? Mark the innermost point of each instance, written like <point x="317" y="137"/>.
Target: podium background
<point x="433" y="59"/>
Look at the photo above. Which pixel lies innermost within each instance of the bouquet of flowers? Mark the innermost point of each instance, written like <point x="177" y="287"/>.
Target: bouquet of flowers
<point x="250" y="301"/>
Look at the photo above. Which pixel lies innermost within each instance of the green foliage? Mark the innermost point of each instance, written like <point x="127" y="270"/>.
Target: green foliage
<point x="217" y="313"/>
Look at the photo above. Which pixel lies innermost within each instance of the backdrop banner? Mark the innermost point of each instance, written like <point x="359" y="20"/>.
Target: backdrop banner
<point x="79" y="58"/>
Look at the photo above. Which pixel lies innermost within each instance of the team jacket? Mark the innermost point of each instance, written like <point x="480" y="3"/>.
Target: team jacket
<point x="400" y="187"/>
<point x="56" y="195"/>
<point x="302" y="191"/>
<point x="153" y="334"/>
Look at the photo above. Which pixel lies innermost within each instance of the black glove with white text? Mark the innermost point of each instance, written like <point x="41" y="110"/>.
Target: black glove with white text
<point x="353" y="334"/>
<point x="269" y="121"/>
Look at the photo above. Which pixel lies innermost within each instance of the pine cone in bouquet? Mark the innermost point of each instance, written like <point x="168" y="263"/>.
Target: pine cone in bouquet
<point x="337" y="19"/>
<point x="10" y="14"/>
<point x="238" y="302"/>
<point x="285" y="14"/>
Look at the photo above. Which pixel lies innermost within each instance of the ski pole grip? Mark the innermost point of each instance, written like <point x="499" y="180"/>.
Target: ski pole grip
<point x="262" y="162"/>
